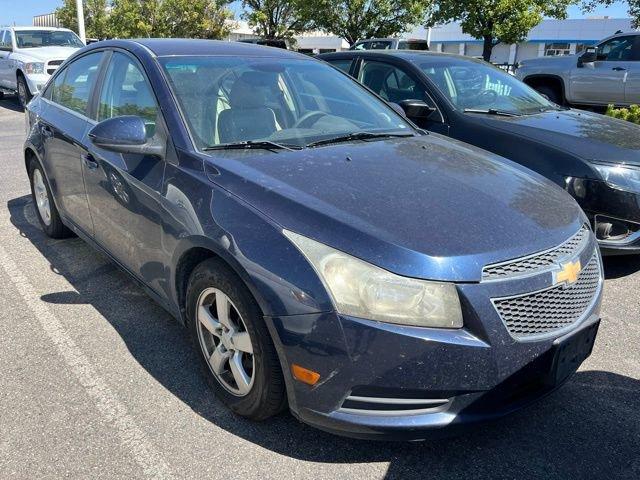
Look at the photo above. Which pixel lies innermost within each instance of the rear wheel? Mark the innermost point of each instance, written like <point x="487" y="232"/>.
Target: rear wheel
<point x="46" y="210"/>
<point x="233" y="343"/>
<point x="24" y="95"/>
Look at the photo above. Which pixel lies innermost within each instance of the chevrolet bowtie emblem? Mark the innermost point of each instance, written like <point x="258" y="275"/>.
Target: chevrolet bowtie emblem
<point x="568" y="273"/>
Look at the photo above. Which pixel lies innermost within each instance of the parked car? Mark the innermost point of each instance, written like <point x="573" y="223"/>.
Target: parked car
<point x="606" y="74"/>
<point x="391" y="44"/>
<point x="267" y="42"/>
<point x="594" y="158"/>
<point x="324" y="253"/>
<point x="29" y="55"/>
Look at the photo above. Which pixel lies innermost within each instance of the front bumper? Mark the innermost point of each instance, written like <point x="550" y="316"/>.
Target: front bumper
<point x="36" y="82"/>
<point x="605" y="204"/>
<point x="455" y="377"/>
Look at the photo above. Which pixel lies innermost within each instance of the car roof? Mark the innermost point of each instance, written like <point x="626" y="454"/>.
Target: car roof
<point x="162" y="47"/>
<point x="52" y="29"/>
<point x="410" y="55"/>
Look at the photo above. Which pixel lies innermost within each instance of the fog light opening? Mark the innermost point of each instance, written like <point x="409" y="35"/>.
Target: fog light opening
<point x="612" y="229"/>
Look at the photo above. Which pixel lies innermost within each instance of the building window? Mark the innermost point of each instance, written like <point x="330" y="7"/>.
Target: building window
<point x="555" y="49"/>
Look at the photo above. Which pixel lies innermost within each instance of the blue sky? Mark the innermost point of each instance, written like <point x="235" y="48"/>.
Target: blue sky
<point x="10" y="13"/>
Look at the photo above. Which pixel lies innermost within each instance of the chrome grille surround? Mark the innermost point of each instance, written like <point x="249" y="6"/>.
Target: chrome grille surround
<point x="554" y="309"/>
<point x="538" y="262"/>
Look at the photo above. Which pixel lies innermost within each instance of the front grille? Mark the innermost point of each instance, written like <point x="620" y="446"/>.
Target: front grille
<point x="539" y="261"/>
<point x="52" y="66"/>
<point x="552" y="309"/>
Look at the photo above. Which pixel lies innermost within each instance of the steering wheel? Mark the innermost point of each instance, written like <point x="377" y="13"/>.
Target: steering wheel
<point x="309" y="118"/>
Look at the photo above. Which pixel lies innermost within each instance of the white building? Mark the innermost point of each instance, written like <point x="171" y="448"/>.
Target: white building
<point x="551" y="37"/>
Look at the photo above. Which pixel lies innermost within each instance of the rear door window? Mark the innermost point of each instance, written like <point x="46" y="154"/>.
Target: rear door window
<point x="72" y="87"/>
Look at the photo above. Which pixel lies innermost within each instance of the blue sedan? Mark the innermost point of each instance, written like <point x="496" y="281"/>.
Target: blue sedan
<point x="324" y="254"/>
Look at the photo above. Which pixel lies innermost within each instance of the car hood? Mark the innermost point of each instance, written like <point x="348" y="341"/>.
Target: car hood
<point x="47" y="53"/>
<point x="555" y="61"/>
<point x="427" y="207"/>
<point x="588" y="135"/>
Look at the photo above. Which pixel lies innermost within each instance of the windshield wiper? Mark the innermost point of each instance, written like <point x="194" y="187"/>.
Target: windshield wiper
<point x="357" y="136"/>
<point x="249" y="144"/>
<point x="492" y="111"/>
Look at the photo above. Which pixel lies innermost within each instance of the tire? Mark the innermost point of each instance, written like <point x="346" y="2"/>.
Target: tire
<point x="52" y="223"/>
<point x="24" y="95"/>
<point x="551" y="93"/>
<point x="264" y="395"/>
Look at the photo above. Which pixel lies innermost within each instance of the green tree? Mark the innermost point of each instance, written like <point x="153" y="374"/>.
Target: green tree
<point x="280" y="19"/>
<point x="170" y="18"/>
<point x="96" y="17"/>
<point x="356" y="19"/>
<point x="498" y="21"/>
<point x="633" y="8"/>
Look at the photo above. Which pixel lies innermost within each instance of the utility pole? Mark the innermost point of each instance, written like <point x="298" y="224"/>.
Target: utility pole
<point x="80" y="10"/>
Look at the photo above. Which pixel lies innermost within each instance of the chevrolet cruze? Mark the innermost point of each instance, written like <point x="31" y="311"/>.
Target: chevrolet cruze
<point x="325" y="254"/>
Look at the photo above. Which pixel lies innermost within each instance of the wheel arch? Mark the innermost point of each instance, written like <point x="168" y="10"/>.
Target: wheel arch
<point x="192" y="253"/>
<point x="540" y="79"/>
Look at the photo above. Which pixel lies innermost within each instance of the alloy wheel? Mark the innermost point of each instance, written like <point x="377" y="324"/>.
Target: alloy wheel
<point x="225" y="342"/>
<point x="41" y="196"/>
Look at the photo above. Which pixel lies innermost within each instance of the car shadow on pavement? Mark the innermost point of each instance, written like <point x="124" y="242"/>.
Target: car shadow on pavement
<point x="618" y="266"/>
<point x="10" y="102"/>
<point x="588" y="429"/>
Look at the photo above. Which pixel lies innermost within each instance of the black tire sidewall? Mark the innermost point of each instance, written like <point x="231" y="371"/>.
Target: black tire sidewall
<point x="56" y="228"/>
<point x="550" y="92"/>
<point x="265" y="397"/>
<point x="27" y="93"/>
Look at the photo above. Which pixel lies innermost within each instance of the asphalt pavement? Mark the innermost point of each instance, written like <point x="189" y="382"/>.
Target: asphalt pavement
<point x="97" y="381"/>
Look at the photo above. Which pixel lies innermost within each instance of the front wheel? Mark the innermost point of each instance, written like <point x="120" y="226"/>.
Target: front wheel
<point x="24" y="94"/>
<point x="233" y="343"/>
<point x="551" y="93"/>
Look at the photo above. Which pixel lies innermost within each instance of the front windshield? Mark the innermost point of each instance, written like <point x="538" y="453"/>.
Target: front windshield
<point x="471" y="85"/>
<point x="47" y="38"/>
<point x="293" y="102"/>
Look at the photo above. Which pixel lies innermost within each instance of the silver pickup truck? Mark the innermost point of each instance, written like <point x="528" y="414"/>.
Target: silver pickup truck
<point x="606" y="74"/>
<point x="29" y="55"/>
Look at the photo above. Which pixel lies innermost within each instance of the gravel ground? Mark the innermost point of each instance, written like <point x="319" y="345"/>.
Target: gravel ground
<point x="97" y="381"/>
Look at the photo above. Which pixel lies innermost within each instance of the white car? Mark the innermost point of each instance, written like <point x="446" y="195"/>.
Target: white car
<point x="29" y="55"/>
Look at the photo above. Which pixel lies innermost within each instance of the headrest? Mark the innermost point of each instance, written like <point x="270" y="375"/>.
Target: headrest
<point x="251" y="90"/>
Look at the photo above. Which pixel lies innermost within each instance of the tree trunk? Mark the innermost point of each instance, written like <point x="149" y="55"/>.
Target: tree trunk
<point x="487" y="48"/>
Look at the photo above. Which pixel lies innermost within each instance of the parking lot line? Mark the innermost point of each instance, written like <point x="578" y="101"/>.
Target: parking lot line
<point x="107" y="403"/>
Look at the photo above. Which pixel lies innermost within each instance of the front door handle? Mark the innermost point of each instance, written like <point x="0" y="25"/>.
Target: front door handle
<point x="619" y="69"/>
<point x="89" y="161"/>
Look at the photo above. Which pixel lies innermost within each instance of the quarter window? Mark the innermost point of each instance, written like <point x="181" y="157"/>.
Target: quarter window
<point x="127" y="92"/>
<point x="344" y="65"/>
<point x="72" y="87"/>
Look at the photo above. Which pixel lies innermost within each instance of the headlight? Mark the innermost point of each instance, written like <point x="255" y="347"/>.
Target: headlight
<point x="622" y="177"/>
<point x="363" y="290"/>
<point x="34" y="67"/>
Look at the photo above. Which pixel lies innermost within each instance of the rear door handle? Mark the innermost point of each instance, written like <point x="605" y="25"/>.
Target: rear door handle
<point x="89" y="161"/>
<point x="619" y="69"/>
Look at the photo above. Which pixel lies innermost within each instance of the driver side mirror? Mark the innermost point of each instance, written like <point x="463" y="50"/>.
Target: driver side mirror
<point x="126" y="134"/>
<point x="589" y="56"/>
<point x="417" y="110"/>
